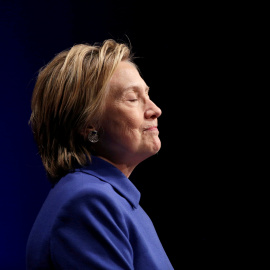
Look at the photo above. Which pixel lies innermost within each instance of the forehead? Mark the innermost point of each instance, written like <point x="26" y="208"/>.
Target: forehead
<point x="126" y="76"/>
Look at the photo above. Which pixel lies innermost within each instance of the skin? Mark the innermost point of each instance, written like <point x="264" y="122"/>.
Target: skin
<point x="130" y="133"/>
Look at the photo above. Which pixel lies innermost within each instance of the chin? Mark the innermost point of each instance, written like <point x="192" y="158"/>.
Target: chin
<point x="155" y="149"/>
<point x="149" y="150"/>
<point x="157" y="146"/>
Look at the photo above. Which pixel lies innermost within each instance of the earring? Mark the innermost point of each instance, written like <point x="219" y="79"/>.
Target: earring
<point x="93" y="136"/>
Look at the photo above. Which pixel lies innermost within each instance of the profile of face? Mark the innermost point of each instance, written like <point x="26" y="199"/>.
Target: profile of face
<point x="130" y="133"/>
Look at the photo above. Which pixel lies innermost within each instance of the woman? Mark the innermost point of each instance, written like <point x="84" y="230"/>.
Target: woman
<point x="94" y="122"/>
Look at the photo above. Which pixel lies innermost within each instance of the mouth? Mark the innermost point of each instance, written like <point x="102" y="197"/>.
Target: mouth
<point x="151" y="128"/>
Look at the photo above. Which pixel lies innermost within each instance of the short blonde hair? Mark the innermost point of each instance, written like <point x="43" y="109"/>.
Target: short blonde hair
<point x="68" y="96"/>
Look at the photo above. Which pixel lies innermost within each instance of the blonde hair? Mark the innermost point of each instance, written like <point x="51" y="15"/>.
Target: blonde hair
<point x="68" y="96"/>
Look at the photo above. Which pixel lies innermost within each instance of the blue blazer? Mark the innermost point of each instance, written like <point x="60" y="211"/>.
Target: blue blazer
<point x="92" y="219"/>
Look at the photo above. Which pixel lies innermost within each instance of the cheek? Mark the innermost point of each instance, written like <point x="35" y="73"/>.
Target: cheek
<point x="125" y="120"/>
<point x="128" y="128"/>
<point x="123" y="126"/>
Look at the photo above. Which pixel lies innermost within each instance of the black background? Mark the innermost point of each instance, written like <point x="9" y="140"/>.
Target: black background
<point x="195" y="59"/>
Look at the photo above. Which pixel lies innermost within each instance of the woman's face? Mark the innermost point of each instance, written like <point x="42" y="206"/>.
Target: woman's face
<point x="130" y="132"/>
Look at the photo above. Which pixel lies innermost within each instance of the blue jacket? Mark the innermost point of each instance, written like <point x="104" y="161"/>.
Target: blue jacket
<point x="92" y="219"/>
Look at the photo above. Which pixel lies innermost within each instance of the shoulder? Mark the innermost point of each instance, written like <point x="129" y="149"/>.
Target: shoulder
<point x="78" y="185"/>
<point x="86" y="199"/>
<point x="83" y="191"/>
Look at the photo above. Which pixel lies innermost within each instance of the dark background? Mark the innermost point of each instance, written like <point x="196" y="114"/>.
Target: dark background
<point x="194" y="58"/>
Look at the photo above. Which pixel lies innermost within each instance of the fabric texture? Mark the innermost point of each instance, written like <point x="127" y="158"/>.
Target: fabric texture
<point x="92" y="219"/>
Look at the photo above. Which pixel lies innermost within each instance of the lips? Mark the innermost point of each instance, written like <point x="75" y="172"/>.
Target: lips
<point x="151" y="128"/>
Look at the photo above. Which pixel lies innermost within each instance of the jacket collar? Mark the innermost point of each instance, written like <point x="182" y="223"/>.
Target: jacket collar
<point x="105" y="171"/>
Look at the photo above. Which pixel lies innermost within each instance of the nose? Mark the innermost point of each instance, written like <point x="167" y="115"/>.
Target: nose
<point x="153" y="111"/>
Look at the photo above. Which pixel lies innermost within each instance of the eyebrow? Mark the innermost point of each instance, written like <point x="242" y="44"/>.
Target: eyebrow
<point x="136" y="87"/>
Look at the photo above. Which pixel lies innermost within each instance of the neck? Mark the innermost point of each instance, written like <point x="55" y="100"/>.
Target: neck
<point x="126" y="169"/>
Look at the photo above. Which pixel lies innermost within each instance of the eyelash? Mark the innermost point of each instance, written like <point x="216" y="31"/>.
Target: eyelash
<point x="133" y="100"/>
